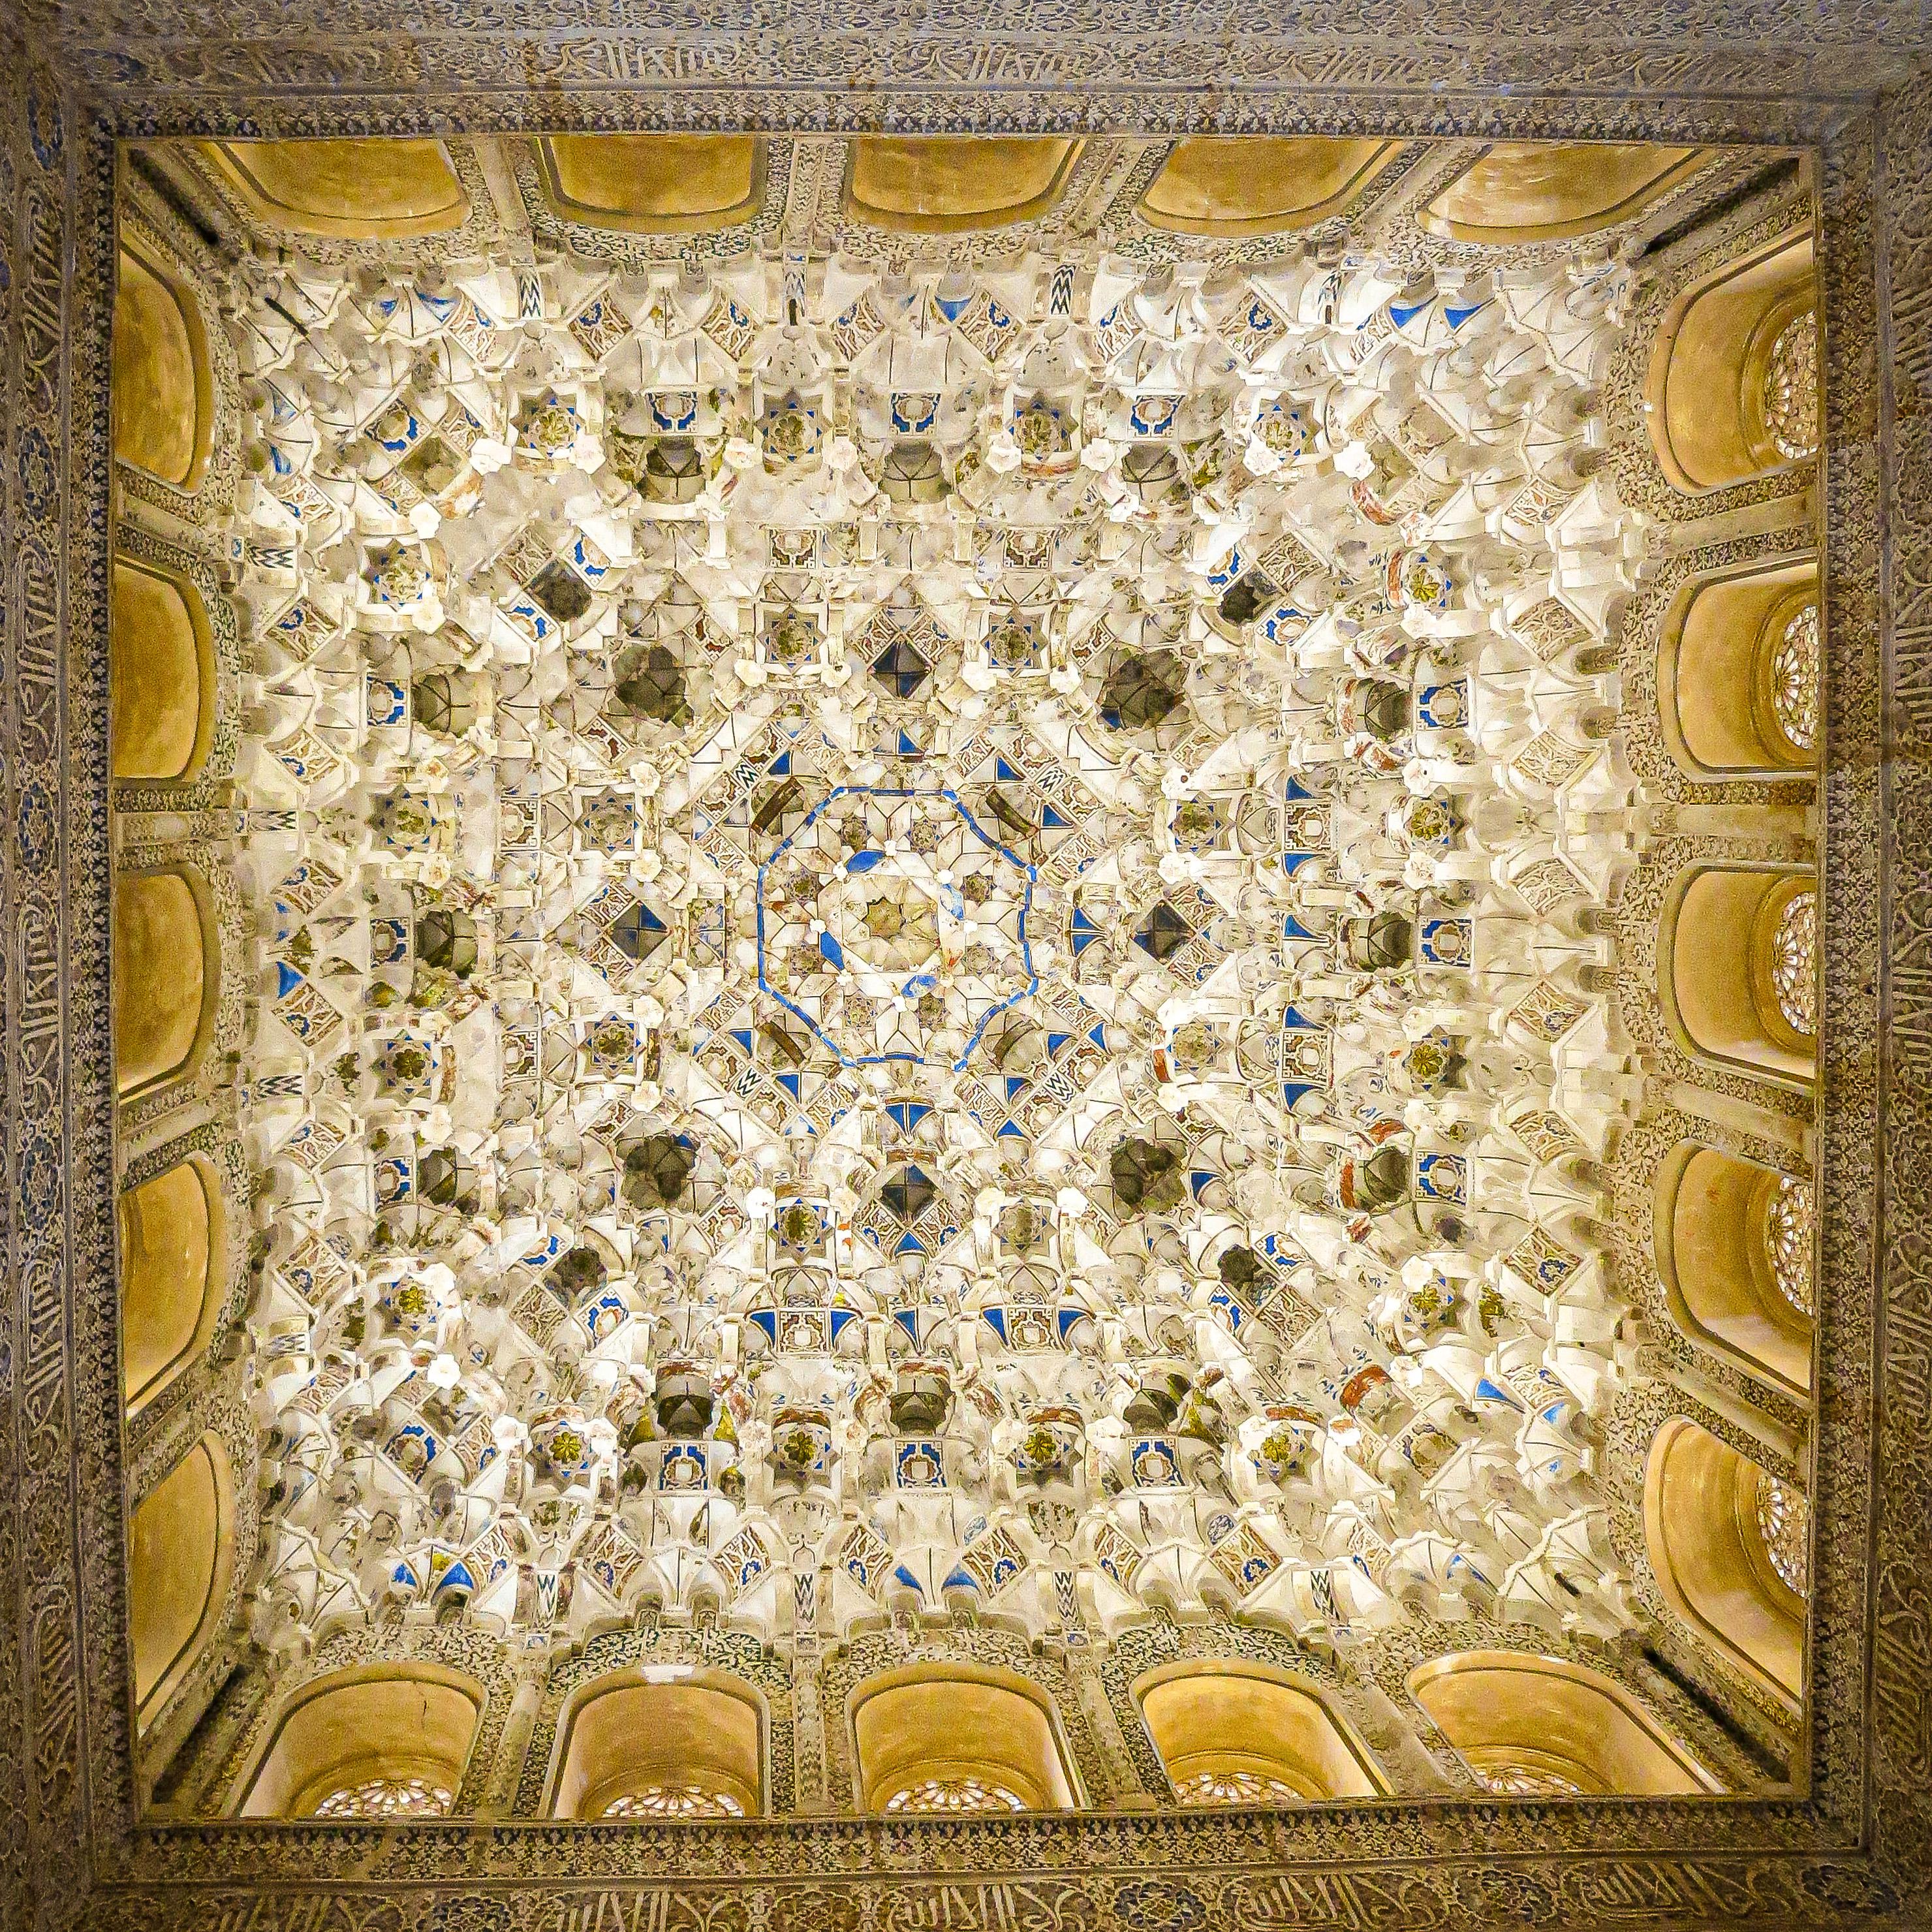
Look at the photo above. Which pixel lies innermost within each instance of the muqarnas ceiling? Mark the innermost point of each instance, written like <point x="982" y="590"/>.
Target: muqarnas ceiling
<point x="933" y="942"/>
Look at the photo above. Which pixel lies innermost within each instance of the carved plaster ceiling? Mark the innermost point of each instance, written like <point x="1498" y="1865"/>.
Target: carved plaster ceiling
<point x="932" y="942"/>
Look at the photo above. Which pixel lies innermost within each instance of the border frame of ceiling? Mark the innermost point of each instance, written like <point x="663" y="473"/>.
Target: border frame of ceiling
<point x="1854" y="1852"/>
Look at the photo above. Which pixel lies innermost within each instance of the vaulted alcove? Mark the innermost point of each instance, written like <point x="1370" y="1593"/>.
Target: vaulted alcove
<point x="1533" y="1727"/>
<point x="940" y="1738"/>
<point x="1732" y="392"/>
<point x="173" y="1264"/>
<point x="1233" y="1733"/>
<point x="1727" y="1541"/>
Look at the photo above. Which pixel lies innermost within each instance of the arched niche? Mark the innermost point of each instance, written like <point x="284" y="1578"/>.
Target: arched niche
<point x="1518" y="191"/>
<point x="355" y="189"/>
<point x="162" y="385"/>
<point x="1259" y="183"/>
<point x="379" y="1740"/>
<point x="167" y="972"/>
<point x="661" y="1741"/>
<point x="937" y="184"/>
<point x="1230" y="1732"/>
<point x="172" y="1263"/>
<point x="1738" y="672"/>
<point x="1733" y="1244"/>
<point x="1540" y="1726"/>
<point x="654" y="183"/>
<point x="160" y="663"/>
<point x="949" y="1737"/>
<point x="180" y="1549"/>
<point x="1738" y="968"/>
<point x="1722" y="1535"/>
<point x="1732" y="392"/>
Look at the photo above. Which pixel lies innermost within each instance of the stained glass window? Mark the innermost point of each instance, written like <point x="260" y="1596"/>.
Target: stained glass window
<point x="1789" y="1217"/>
<point x="941" y="1795"/>
<point x="675" y="1800"/>
<point x="1794" y="679"/>
<point x="1784" y="1522"/>
<point x="387" y="1798"/>
<point x="1791" y="387"/>
<point x="1794" y="964"/>
<point x="1235" y="1787"/>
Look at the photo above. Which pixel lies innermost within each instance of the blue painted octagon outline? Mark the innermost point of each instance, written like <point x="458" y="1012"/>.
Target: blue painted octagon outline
<point x="1030" y="873"/>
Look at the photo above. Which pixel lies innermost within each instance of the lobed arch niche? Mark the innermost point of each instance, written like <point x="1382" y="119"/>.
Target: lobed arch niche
<point x="1738" y="672"/>
<point x="661" y="1742"/>
<point x="945" y="1738"/>
<point x="1726" y="1541"/>
<point x="173" y="1263"/>
<point x="1732" y="1241"/>
<point x="1538" y="1726"/>
<point x="166" y="977"/>
<point x="380" y="1740"/>
<point x="1731" y="391"/>
<point x="160" y="673"/>
<point x="1737" y="953"/>
<point x="1519" y="191"/>
<point x="181" y="1552"/>
<point x="161" y="382"/>
<point x="1231" y="1731"/>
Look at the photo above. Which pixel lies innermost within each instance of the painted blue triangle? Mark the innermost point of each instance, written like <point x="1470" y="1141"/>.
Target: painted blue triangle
<point x="1001" y="770"/>
<point x="1051" y="816"/>
<point x="780" y="767"/>
<point x="789" y="1082"/>
<point x="1055" y="1041"/>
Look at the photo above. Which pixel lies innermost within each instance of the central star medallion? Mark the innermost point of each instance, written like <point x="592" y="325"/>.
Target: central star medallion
<point x="894" y="926"/>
